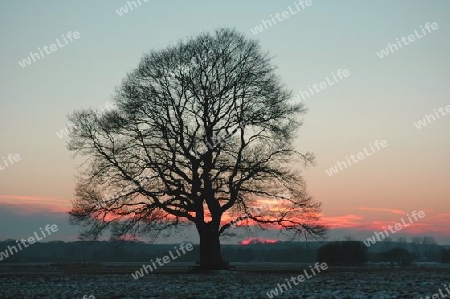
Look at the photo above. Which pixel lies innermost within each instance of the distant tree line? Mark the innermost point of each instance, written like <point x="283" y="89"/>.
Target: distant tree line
<point x="333" y="253"/>
<point x="400" y="253"/>
<point x="119" y="251"/>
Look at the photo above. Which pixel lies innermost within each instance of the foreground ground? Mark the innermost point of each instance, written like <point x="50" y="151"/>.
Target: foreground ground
<point x="245" y="281"/>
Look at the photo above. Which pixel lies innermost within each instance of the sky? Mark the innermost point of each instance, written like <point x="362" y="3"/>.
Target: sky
<point x="382" y="98"/>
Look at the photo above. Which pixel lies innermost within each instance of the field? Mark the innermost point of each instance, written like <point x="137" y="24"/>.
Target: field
<point x="244" y="281"/>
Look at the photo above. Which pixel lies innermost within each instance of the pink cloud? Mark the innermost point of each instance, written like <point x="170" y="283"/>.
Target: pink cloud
<point x="344" y="221"/>
<point x="35" y="204"/>
<point x="432" y="223"/>
<point x="392" y="211"/>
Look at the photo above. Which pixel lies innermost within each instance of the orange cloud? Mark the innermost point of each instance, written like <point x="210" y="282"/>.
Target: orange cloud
<point x="254" y="240"/>
<point x="431" y="223"/>
<point x="34" y="204"/>
<point x="372" y="219"/>
<point x="344" y="221"/>
<point x="392" y="211"/>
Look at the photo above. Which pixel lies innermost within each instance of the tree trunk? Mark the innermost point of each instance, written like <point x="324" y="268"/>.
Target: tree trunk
<point x="210" y="251"/>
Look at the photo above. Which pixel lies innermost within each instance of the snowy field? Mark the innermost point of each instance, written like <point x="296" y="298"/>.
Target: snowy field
<point x="245" y="281"/>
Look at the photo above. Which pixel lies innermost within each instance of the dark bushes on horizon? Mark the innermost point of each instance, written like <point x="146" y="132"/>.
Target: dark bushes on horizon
<point x="445" y="256"/>
<point x="398" y="256"/>
<point x="344" y="253"/>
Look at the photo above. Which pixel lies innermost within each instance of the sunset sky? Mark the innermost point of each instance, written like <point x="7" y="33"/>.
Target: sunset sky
<point x="381" y="99"/>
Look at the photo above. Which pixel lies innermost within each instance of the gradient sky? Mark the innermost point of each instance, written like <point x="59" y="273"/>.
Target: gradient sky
<point x="380" y="100"/>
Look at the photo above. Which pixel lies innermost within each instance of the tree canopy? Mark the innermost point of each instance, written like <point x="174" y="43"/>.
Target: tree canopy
<point x="203" y="133"/>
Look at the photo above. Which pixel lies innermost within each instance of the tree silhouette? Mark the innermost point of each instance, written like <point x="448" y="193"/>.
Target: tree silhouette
<point x="202" y="131"/>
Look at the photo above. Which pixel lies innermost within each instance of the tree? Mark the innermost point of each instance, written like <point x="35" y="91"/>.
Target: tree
<point x="387" y="243"/>
<point x="203" y="131"/>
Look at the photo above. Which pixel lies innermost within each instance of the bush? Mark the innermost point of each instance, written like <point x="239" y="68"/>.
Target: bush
<point x="445" y="255"/>
<point x="398" y="256"/>
<point x="343" y="253"/>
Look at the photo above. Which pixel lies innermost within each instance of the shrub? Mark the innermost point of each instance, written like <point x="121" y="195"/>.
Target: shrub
<point x="343" y="253"/>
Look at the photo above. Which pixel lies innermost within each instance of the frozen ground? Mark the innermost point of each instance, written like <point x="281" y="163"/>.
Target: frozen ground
<point x="116" y="282"/>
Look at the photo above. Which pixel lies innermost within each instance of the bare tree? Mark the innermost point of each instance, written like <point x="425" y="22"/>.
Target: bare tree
<point x="425" y="240"/>
<point x="415" y="240"/>
<point x="387" y="243"/>
<point x="428" y="240"/>
<point x="203" y="132"/>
